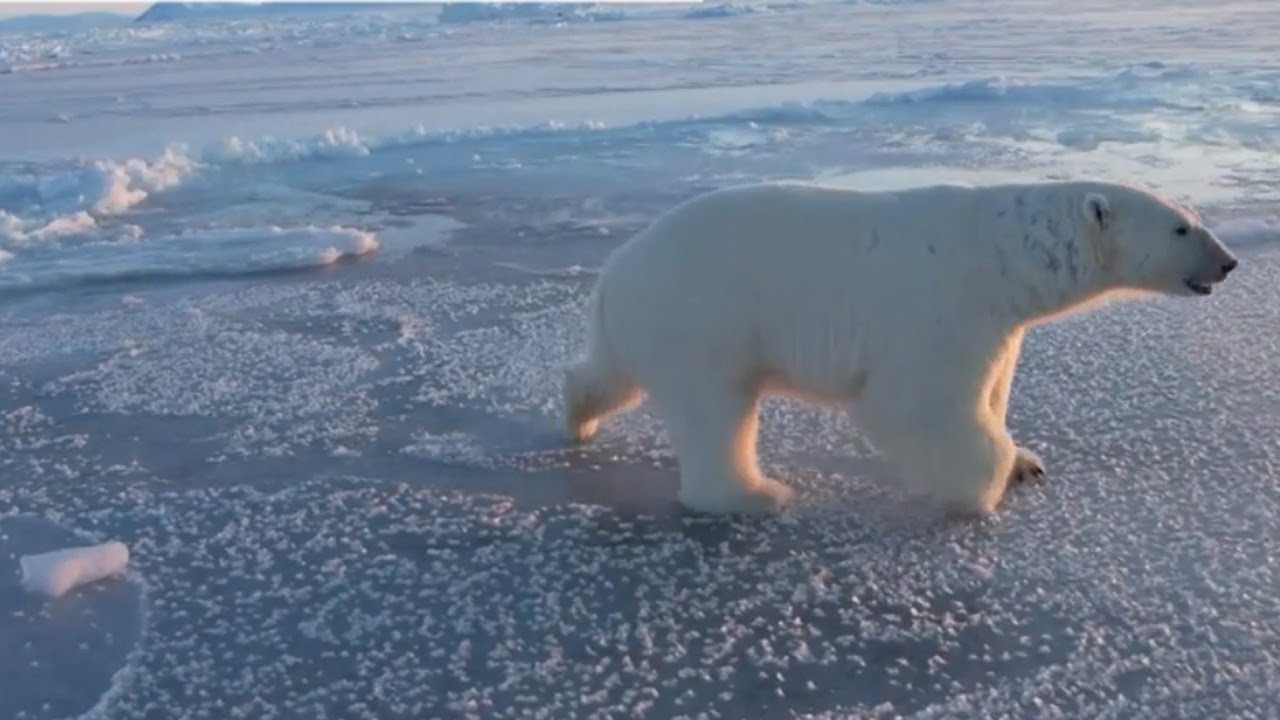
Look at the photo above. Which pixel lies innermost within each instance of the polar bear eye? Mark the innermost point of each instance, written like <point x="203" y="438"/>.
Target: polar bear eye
<point x="1182" y="230"/>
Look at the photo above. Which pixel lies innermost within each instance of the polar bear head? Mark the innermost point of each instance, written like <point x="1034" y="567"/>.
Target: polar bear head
<point x="1149" y="243"/>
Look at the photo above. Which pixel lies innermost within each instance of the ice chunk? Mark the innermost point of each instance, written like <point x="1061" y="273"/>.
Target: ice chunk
<point x="54" y="573"/>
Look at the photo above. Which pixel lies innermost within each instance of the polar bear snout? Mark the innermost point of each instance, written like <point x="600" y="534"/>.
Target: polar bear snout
<point x="1217" y="262"/>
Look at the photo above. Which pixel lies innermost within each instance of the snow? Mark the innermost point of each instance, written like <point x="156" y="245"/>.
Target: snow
<point x="68" y="201"/>
<point x="57" y="572"/>
<point x="285" y="293"/>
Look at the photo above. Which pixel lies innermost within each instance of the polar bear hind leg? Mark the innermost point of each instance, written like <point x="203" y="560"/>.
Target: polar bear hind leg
<point x="712" y="427"/>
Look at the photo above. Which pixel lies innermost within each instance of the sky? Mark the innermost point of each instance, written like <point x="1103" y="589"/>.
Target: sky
<point x="14" y="9"/>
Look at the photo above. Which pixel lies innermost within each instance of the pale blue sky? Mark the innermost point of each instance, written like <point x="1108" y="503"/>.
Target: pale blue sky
<point x="12" y="9"/>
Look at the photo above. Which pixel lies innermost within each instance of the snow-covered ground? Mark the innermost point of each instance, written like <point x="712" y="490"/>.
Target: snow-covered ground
<point x="282" y="299"/>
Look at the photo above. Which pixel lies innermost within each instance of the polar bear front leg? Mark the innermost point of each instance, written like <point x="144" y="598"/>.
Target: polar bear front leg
<point x="1027" y="465"/>
<point x="974" y="466"/>
<point x="1002" y="378"/>
<point x="960" y="456"/>
<point x="712" y="427"/>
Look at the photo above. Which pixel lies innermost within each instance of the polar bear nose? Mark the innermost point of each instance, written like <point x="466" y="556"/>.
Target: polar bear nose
<point x="1229" y="266"/>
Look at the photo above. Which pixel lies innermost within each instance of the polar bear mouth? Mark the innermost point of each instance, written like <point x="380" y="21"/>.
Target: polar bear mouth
<point x="1198" y="288"/>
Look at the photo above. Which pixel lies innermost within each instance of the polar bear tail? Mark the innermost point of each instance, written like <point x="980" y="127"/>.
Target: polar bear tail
<point x="594" y="385"/>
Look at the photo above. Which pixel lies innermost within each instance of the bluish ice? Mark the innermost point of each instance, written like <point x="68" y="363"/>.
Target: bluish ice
<point x="283" y="298"/>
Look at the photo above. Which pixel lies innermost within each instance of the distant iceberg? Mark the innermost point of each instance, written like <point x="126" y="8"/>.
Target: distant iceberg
<point x="178" y="11"/>
<point x="446" y="13"/>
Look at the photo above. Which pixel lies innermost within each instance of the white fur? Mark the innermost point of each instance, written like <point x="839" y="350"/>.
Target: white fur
<point x="906" y="306"/>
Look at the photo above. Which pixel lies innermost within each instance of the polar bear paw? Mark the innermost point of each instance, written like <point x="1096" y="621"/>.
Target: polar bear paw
<point x="762" y="497"/>
<point x="1027" y="466"/>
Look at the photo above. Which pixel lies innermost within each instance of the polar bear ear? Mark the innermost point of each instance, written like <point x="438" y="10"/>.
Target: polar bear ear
<point x="1097" y="210"/>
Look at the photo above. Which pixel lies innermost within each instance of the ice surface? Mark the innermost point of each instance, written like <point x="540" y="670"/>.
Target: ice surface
<point x="722" y="10"/>
<point x="1249" y="232"/>
<point x="469" y="12"/>
<point x="209" y="253"/>
<point x="57" y="572"/>
<point x="346" y="484"/>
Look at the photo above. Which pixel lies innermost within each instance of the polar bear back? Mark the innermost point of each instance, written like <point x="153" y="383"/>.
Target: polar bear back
<point x="773" y="272"/>
<point x="762" y="236"/>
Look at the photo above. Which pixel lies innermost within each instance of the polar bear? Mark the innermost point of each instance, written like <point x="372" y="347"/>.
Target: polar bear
<point x="907" y="308"/>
